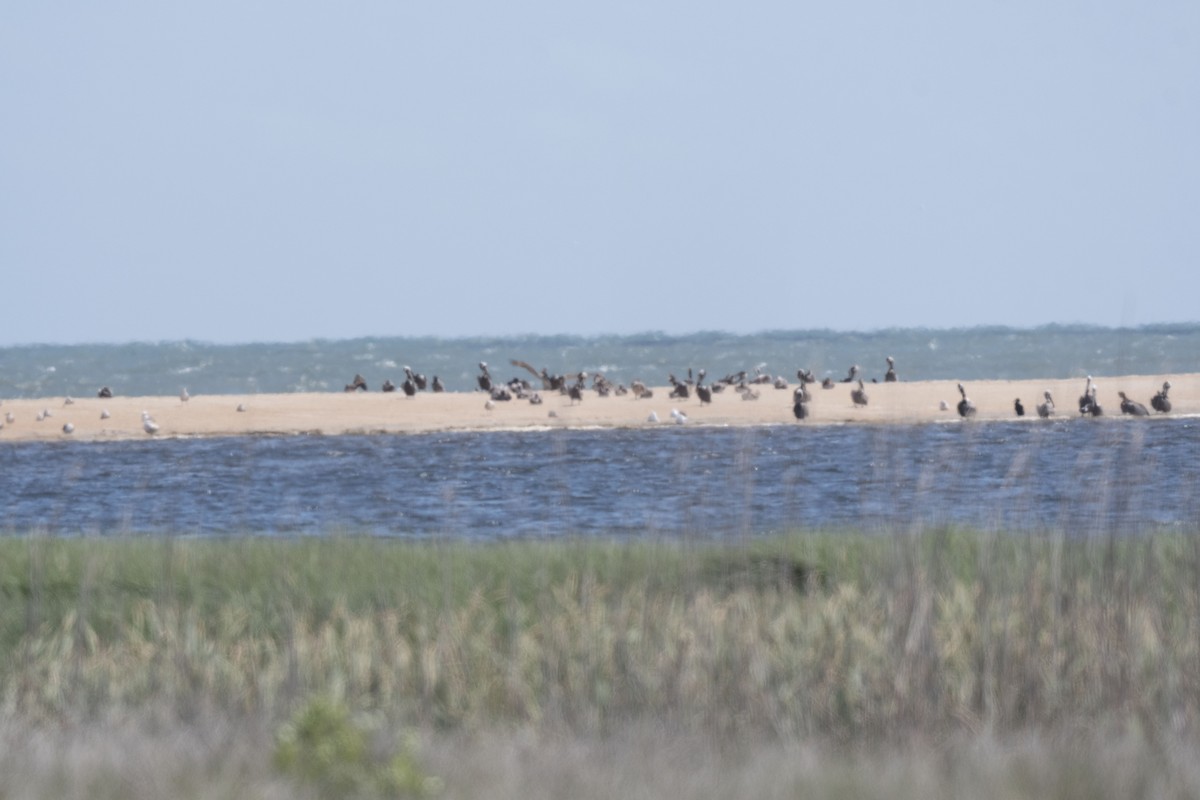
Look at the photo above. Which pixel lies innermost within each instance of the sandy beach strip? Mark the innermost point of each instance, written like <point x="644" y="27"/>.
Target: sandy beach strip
<point x="376" y="412"/>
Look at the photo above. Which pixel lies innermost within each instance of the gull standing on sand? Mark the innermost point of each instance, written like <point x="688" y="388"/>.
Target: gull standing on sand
<point x="184" y="396"/>
<point x="148" y="424"/>
<point x="104" y="413"/>
<point x="679" y="416"/>
<point x="68" y="427"/>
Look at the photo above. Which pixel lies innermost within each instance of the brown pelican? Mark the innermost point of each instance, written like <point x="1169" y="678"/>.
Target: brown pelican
<point x="485" y="377"/>
<point x="852" y="376"/>
<point x="679" y="388"/>
<point x="388" y="386"/>
<point x="890" y="375"/>
<point x="359" y="382"/>
<point x="438" y="386"/>
<point x="104" y="392"/>
<point x="1160" y="402"/>
<point x="703" y="392"/>
<point x="1017" y="407"/>
<point x="1046" y="409"/>
<point x="417" y="378"/>
<point x="1132" y="407"/>
<point x="800" y="402"/>
<point x="1087" y="401"/>
<point x="409" y="386"/>
<point x="965" y="407"/>
<point x="859" y="395"/>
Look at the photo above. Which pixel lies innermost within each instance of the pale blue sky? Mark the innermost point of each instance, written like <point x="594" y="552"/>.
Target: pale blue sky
<point x="274" y="171"/>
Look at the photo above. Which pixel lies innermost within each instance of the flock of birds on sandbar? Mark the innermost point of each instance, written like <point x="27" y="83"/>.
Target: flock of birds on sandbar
<point x="575" y="386"/>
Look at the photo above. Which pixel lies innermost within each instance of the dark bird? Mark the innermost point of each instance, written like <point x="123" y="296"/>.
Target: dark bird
<point x="1160" y="402"/>
<point x="852" y="376"/>
<point x="1087" y="401"/>
<point x="679" y="388"/>
<point x="418" y="379"/>
<point x="799" y="407"/>
<point x="1017" y="407"/>
<point x="388" y="386"/>
<point x="965" y="407"/>
<point x="703" y="392"/>
<point x="104" y="392"/>
<point x="576" y="390"/>
<point x="805" y="376"/>
<point x="1046" y="409"/>
<point x="359" y="382"/>
<point x="438" y="386"/>
<point x="890" y="375"/>
<point x="409" y="386"/>
<point x="859" y="395"/>
<point x="484" y="378"/>
<point x="1132" y="407"/>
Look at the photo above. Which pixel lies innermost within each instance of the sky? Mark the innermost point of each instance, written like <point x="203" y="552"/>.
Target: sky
<point x="284" y="171"/>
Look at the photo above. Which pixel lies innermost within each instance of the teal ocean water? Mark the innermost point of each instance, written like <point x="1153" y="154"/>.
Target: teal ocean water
<point x="1057" y="351"/>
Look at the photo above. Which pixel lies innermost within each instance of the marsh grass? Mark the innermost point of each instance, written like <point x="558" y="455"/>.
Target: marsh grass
<point x="826" y="642"/>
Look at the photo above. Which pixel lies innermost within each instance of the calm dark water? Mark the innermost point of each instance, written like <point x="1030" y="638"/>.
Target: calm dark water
<point x="1082" y="476"/>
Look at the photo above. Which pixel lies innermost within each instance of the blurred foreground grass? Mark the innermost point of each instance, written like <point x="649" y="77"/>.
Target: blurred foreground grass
<point x="803" y="644"/>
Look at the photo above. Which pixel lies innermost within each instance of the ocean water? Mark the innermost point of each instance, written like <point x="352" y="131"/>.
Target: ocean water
<point x="1082" y="476"/>
<point x="316" y="366"/>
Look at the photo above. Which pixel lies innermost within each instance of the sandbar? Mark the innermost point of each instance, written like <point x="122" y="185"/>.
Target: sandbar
<point x="337" y="413"/>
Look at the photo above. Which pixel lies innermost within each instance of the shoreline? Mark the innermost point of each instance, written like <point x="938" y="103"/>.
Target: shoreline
<point x="376" y="413"/>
